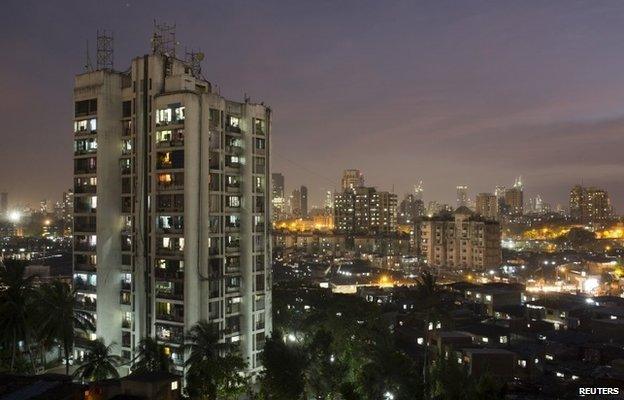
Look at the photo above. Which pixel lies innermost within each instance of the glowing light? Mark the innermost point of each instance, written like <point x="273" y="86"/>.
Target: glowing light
<point x="15" y="216"/>
<point x="590" y="285"/>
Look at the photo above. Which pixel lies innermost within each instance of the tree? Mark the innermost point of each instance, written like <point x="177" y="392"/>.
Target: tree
<point x="284" y="368"/>
<point x="214" y="369"/>
<point x="99" y="363"/>
<point x="16" y="307"/>
<point x="57" y="318"/>
<point x="325" y="371"/>
<point x="151" y="357"/>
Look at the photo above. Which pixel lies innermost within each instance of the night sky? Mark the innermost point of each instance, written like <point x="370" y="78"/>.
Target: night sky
<point x="450" y="92"/>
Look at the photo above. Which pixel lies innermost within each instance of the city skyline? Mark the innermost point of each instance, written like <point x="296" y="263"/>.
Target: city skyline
<point x="476" y="94"/>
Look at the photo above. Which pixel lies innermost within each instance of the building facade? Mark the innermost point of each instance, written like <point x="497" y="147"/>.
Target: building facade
<point x="487" y="205"/>
<point x="461" y="240"/>
<point x="170" y="208"/>
<point x="364" y="210"/>
<point x="590" y="205"/>
<point x="351" y="179"/>
<point x="278" y="196"/>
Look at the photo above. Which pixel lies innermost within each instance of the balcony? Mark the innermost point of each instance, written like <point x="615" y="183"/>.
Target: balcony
<point x="170" y="143"/>
<point x="173" y="317"/>
<point x="235" y="150"/>
<point x="86" y="305"/>
<point x="168" y="275"/>
<point x="231" y="128"/>
<point x="169" y="295"/>
<point x="83" y="286"/>
<point x="85" y="169"/>
<point x="87" y="228"/>
<point x="79" y="189"/>
<point x="84" y="246"/>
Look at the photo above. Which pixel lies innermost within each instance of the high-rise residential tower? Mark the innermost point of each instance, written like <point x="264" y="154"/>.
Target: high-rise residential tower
<point x="487" y="205"/>
<point x="4" y="205"/>
<point x="171" y="207"/>
<point x="278" y="196"/>
<point x="462" y="196"/>
<point x="351" y="179"/>
<point x="590" y="204"/>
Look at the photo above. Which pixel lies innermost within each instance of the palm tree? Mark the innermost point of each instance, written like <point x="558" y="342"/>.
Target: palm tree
<point x="99" y="363"/>
<point x="213" y="368"/>
<point x="16" y="306"/>
<point x="151" y="357"/>
<point x="58" y="319"/>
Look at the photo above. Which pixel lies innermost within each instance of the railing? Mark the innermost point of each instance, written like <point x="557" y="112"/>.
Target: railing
<point x="170" y="317"/>
<point x="85" y="188"/>
<point x="170" y="143"/>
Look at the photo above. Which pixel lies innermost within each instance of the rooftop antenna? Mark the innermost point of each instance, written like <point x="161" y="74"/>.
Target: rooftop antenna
<point x="104" y="52"/>
<point x="194" y="59"/>
<point x="164" y="39"/>
<point x="88" y="66"/>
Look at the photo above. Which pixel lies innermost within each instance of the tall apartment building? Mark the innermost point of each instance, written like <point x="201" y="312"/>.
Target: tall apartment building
<point x="487" y="205"/>
<point x="364" y="210"/>
<point x="278" y="196"/>
<point x="351" y="179"/>
<point x="170" y="208"/>
<point x="590" y="204"/>
<point x="514" y="202"/>
<point x="304" y="201"/>
<point x="461" y="240"/>
<point x="462" y="196"/>
<point x="4" y="205"/>
<point x="410" y="209"/>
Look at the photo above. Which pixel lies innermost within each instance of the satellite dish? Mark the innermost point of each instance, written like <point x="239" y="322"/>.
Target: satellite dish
<point x="200" y="56"/>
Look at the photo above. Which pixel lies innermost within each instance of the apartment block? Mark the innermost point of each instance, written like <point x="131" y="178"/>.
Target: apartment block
<point x="170" y="208"/>
<point x="461" y="240"/>
<point x="364" y="210"/>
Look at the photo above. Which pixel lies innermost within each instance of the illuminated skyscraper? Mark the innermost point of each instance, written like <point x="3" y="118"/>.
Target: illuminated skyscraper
<point x="487" y="205"/>
<point x="351" y="179"/>
<point x="462" y="196"/>
<point x="590" y="204"/>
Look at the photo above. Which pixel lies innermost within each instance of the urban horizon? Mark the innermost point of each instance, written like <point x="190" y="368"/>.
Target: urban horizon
<point x="417" y="116"/>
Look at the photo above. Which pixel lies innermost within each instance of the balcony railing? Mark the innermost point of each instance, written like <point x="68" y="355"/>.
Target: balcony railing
<point x="170" y="143"/>
<point x="85" y="188"/>
<point x="170" y="317"/>
<point x="166" y="274"/>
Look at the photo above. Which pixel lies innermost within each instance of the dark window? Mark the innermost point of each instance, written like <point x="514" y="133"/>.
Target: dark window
<point x="126" y="109"/>
<point x="86" y="107"/>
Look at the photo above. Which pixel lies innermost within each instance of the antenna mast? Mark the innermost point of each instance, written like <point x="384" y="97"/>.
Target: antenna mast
<point x="104" y="52"/>
<point x="164" y="39"/>
<point x="194" y="59"/>
<point x="88" y="66"/>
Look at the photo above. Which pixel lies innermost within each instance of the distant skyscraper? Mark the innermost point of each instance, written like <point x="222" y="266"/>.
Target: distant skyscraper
<point x="4" y="205"/>
<point x="170" y="209"/>
<point x="487" y="205"/>
<point x="590" y="204"/>
<point x="304" y="201"/>
<point x="514" y="201"/>
<point x="278" y="200"/>
<point x="351" y="179"/>
<point x="419" y="190"/>
<point x="365" y="210"/>
<point x="328" y="204"/>
<point x="295" y="203"/>
<point x="462" y="196"/>
<point x="410" y="208"/>
<point x="277" y="181"/>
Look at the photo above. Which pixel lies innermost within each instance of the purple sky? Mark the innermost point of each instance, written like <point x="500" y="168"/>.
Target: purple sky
<point x="450" y="92"/>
